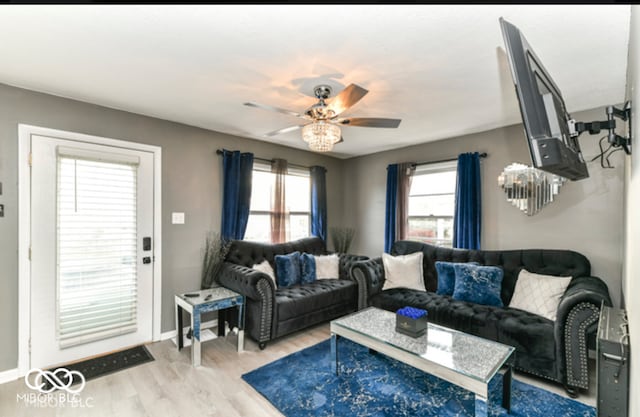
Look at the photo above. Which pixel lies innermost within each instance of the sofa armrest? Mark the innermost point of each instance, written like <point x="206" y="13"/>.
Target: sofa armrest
<point x="583" y="289"/>
<point x="346" y="262"/>
<point x="369" y="275"/>
<point x="252" y="284"/>
<point x="576" y="320"/>
<point x="259" y="292"/>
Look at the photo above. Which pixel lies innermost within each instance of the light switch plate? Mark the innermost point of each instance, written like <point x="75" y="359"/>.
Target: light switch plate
<point x="177" y="218"/>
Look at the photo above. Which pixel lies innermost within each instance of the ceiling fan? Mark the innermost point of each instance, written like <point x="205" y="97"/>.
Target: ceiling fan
<point x="323" y="128"/>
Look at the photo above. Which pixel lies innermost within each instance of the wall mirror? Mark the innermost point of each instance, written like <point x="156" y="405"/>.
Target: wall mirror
<point x="529" y="189"/>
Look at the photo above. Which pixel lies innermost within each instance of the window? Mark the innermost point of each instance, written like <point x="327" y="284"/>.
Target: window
<point x="298" y="202"/>
<point x="432" y="204"/>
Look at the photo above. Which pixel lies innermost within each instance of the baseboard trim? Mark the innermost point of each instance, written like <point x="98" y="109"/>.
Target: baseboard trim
<point x="172" y="333"/>
<point x="9" y="375"/>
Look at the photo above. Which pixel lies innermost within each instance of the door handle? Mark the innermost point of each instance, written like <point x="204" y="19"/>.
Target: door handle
<point x="146" y="243"/>
<point x="613" y="358"/>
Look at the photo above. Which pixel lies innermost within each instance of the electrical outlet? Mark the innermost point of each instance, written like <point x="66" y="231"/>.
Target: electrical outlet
<point x="177" y="218"/>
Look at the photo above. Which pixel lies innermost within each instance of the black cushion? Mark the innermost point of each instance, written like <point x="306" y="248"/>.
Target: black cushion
<point x="276" y="312"/>
<point x="555" y="350"/>
<point x="299" y="300"/>
<point x="476" y="319"/>
<point x="527" y="332"/>
<point x="539" y="261"/>
<point x="247" y="253"/>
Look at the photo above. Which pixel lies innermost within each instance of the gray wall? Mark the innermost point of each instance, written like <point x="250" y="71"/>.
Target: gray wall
<point x="191" y="183"/>
<point x="631" y="276"/>
<point x="586" y="216"/>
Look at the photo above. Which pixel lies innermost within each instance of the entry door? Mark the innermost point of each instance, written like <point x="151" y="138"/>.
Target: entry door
<point x="91" y="275"/>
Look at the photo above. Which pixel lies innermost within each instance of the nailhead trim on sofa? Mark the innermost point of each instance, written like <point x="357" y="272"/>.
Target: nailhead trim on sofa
<point x="529" y="371"/>
<point x="267" y="308"/>
<point x="581" y="379"/>
<point x="265" y="318"/>
<point x="578" y="310"/>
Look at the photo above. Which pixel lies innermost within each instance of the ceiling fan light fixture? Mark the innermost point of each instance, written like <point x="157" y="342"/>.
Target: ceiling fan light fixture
<point x="321" y="136"/>
<point x="324" y="131"/>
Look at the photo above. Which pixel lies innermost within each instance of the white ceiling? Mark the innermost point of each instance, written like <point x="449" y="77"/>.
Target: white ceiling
<point x="440" y="68"/>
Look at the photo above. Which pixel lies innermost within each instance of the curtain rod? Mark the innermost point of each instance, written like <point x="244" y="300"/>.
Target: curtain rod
<point x="482" y="155"/>
<point x="219" y="152"/>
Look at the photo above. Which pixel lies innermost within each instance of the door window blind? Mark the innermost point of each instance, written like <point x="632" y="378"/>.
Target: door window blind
<point x="97" y="246"/>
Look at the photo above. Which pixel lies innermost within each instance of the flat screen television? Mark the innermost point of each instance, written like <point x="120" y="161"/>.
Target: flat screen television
<point x="553" y="145"/>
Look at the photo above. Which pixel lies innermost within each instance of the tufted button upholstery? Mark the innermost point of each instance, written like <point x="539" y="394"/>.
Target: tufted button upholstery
<point x="539" y="261"/>
<point x="246" y="253"/>
<point x="346" y="262"/>
<point x="554" y="350"/>
<point x="274" y="312"/>
<point x="303" y="299"/>
<point x="527" y="332"/>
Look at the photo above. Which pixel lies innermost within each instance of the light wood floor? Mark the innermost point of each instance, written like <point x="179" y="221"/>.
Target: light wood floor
<point x="170" y="386"/>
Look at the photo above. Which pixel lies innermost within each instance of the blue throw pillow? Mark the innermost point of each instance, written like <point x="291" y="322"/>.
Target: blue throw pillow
<point x="447" y="276"/>
<point x="307" y="268"/>
<point x="478" y="284"/>
<point x="288" y="269"/>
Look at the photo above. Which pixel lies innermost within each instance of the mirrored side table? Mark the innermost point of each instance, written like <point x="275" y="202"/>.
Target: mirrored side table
<point x="204" y="301"/>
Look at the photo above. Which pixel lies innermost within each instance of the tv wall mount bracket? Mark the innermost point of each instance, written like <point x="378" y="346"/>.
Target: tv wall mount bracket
<point x="595" y="127"/>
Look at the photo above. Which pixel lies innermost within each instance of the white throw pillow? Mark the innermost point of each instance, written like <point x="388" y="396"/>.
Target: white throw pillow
<point x="539" y="294"/>
<point x="265" y="267"/>
<point x="327" y="266"/>
<point x="403" y="271"/>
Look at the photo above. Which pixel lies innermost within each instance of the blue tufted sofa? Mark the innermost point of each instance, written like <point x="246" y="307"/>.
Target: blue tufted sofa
<point x="272" y="312"/>
<point x="554" y="350"/>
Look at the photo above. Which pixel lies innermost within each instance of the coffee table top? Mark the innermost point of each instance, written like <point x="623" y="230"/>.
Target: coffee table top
<point x="463" y="353"/>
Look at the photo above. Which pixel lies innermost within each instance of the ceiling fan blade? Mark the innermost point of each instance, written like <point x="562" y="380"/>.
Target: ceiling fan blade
<point x="370" y="122"/>
<point x="285" y="130"/>
<point x="347" y="98"/>
<point x="273" y="108"/>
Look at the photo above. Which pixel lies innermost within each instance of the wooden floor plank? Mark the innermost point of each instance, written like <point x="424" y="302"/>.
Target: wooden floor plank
<point x="171" y="387"/>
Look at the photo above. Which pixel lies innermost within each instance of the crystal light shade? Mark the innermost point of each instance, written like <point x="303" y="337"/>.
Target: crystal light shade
<point x="321" y="136"/>
<point x="528" y="188"/>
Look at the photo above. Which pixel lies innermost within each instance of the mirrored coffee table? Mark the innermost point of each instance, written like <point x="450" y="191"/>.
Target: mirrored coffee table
<point x="459" y="358"/>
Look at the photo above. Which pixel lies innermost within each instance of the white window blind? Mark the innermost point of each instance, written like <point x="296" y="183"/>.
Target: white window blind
<point x="97" y="251"/>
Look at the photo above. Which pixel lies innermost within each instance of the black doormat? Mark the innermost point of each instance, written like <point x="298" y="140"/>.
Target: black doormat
<point x="103" y="365"/>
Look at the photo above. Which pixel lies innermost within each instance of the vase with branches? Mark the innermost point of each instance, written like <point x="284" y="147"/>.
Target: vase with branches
<point x="342" y="237"/>
<point x="215" y="252"/>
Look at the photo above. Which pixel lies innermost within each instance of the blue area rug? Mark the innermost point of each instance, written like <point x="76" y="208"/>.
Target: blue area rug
<point x="302" y="384"/>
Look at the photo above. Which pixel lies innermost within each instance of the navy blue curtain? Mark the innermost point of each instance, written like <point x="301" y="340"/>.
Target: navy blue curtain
<point x="391" y="205"/>
<point x="236" y="195"/>
<point x="318" y="202"/>
<point x="467" y="219"/>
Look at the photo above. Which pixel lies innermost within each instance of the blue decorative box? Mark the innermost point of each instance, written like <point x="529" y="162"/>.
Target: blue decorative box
<point x="411" y="321"/>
